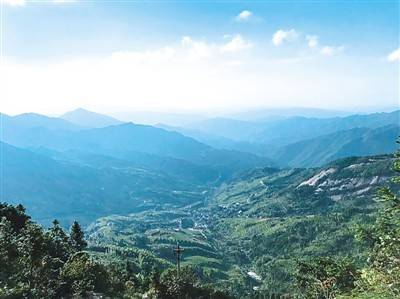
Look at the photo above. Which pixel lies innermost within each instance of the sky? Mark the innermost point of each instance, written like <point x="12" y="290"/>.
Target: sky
<point x="174" y="56"/>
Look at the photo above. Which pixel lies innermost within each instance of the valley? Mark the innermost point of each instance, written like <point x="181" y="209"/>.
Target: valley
<point x="261" y="223"/>
<point x="245" y="212"/>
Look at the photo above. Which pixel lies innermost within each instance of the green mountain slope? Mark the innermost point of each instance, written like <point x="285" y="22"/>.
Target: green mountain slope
<point x="252" y="230"/>
<point x="326" y="148"/>
<point x="58" y="189"/>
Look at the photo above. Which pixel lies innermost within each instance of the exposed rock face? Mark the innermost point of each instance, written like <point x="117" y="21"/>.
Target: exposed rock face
<point x="319" y="176"/>
<point x="344" y="181"/>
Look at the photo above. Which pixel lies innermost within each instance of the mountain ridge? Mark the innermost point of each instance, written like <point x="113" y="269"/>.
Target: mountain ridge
<point x="320" y="150"/>
<point x="89" y="119"/>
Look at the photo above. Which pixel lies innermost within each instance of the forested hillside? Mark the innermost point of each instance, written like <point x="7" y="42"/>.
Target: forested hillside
<point x="249" y="236"/>
<point x="87" y="190"/>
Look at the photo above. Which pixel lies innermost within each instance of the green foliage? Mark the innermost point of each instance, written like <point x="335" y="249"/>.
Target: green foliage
<point x="185" y="285"/>
<point x="83" y="275"/>
<point x="38" y="263"/>
<point x="78" y="242"/>
<point x="262" y="222"/>
<point x="325" y="277"/>
<point x="246" y="240"/>
<point x="35" y="263"/>
<point x="380" y="278"/>
<point x="16" y="215"/>
<point x="58" y="242"/>
<point x="383" y="272"/>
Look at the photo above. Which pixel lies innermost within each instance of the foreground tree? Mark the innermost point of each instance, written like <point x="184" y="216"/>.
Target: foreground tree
<point x="58" y="242"/>
<point x="8" y="253"/>
<point x="82" y="275"/>
<point x="15" y="215"/>
<point x="77" y="237"/>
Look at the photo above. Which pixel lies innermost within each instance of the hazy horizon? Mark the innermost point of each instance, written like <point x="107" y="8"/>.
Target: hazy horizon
<point x="198" y="56"/>
<point x="180" y="117"/>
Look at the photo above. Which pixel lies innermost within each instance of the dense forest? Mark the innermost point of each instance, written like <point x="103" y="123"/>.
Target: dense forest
<point x="39" y="263"/>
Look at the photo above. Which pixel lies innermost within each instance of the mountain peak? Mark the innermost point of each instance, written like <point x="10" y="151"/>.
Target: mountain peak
<point x="80" y="110"/>
<point x="90" y="119"/>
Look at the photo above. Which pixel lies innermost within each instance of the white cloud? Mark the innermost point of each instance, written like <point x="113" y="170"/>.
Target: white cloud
<point x="282" y="36"/>
<point x="244" y="16"/>
<point x="331" y="51"/>
<point x="236" y="44"/>
<point x="312" y="41"/>
<point x="14" y="2"/>
<point x="197" y="49"/>
<point x="394" y="56"/>
<point x="200" y="49"/>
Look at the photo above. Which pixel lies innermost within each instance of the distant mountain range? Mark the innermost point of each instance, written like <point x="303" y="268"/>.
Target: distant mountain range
<point x="233" y="129"/>
<point x="354" y="142"/>
<point x="26" y="121"/>
<point x="125" y="141"/>
<point x="263" y="114"/>
<point x="151" y="149"/>
<point x="218" y="141"/>
<point x="301" y="141"/>
<point x="300" y="128"/>
<point x="89" y="119"/>
<point x="234" y="145"/>
<point x="283" y="131"/>
<point x="48" y="161"/>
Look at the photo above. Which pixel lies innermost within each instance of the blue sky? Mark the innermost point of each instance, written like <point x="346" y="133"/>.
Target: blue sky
<point x="198" y="55"/>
